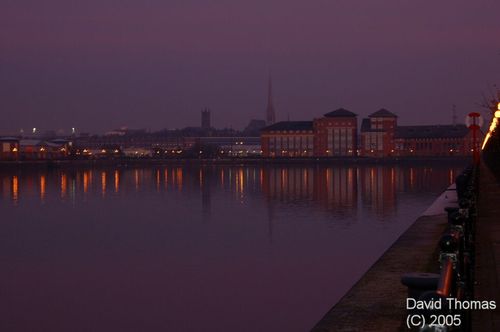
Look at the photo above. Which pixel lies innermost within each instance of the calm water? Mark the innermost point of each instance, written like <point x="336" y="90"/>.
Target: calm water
<point x="215" y="248"/>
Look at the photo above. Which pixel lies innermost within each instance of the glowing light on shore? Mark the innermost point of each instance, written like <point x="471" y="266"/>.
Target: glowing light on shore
<point x="493" y="126"/>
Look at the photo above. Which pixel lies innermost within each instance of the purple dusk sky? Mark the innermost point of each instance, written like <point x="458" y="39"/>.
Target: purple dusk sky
<point x="100" y="64"/>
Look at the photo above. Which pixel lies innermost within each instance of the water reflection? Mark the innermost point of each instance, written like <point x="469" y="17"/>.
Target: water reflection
<point x="103" y="183"/>
<point x="165" y="242"/>
<point x="117" y="181"/>
<point x="87" y="175"/>
<point x="379" y="186"/>
<point x="339" y="188"/>
<point x="15" y="188"/>
<point x="64" y="184"/>
<point x="42" y="187"/>
<point x="178" y="178"/>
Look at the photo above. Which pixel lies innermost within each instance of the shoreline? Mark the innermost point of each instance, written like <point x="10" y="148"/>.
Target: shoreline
<point x="376" y="301"/>
<point x="126" y="162"/>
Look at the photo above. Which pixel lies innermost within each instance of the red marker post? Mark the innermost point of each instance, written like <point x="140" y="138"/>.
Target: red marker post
<point x="474" y="121"/>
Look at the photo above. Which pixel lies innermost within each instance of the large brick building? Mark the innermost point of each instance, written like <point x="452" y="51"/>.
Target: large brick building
<point x="437" y="140"/>
<point x="377" y="134"/>
<point x="334" y="134"/>
<point x="382" y="137"/>
<point x="288" y="139"/>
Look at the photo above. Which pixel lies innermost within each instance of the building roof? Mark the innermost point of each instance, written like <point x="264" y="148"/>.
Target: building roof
<point x="435" y="131"/>
<point x="247" y="140"/>
<point x="366" y="126"/>
<point x="340" y="113"/>
<point x="53" y="144"/>
<point x="382" y="113"/>
<point x="290" y="125"/>
<point x="9" y="139"/>
<point x="30" y="142"/>
<point x="60" y="141"/>
<point x="36" y="142"/>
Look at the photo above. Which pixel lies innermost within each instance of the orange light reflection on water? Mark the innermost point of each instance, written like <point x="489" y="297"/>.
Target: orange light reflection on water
<point x="117" y="181"/>
<point x="158" y="178"/>
<point x="241" y="181"/>
<point x="42" y="187"/>
<point x="178" y="176"/>
<point x="412" y="177"/>
<point x="136" y="178"/>
<point x="85" y="182"/>
<point x="15" y="188"/>
<point x="64" y="185"/>
<point x="393" y="177"/>
<point x="103" y="183"/>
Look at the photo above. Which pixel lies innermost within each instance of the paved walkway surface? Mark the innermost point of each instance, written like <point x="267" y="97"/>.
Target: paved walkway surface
<point x="488" y="252"/>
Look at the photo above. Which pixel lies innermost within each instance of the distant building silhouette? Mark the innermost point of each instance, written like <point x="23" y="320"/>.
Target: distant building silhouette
<point x="253" y="128"/>
<point x="205" y="119"/>
<point x="270" y="113"/>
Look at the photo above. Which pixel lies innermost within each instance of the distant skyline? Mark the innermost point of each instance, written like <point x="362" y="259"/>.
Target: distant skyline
<point x="102" y="64"/>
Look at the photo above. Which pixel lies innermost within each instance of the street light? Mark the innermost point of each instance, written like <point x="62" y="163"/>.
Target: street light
<point x="493" y="126"/>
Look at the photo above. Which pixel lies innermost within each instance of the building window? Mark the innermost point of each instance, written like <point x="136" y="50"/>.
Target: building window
<point x="336" y="141"/>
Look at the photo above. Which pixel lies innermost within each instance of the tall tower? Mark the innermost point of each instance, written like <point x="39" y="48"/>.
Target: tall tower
<point x="205" y="118"/>
<point x="270" y="114"/>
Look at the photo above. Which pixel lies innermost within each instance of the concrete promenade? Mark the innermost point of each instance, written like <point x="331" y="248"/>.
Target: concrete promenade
<point x="487" y="270"/>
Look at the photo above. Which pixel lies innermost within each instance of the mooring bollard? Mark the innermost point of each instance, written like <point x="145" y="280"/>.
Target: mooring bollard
<point x="419" y="283"/>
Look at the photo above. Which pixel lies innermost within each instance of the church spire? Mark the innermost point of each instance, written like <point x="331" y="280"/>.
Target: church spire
<point x="270" y="114"/>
